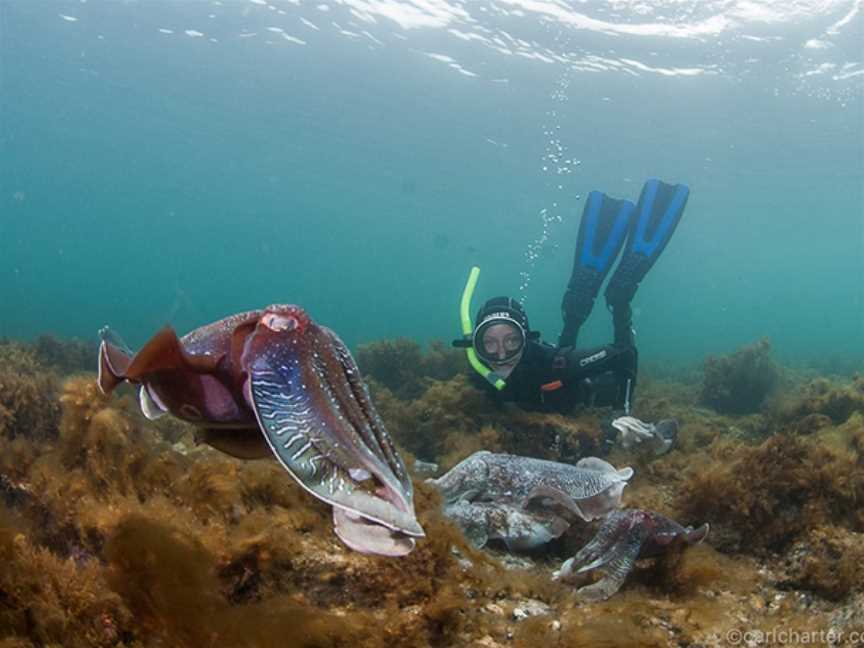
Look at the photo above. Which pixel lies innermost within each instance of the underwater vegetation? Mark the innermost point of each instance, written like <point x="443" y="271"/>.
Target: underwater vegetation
<point x="774" y="492"/>
<point x="185" y="548"/>
<point x="28" y="394"/>
<point x="65" y="356"/>
<point x="740" y="382"/>
<point x="821" y="403"/>
<point x="120" y="531"/>
<point x="453" y="418"/>
<point x="402" y="366"/>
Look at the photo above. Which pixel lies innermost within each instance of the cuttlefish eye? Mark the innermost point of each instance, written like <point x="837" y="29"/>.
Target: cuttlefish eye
<point x="276" y="322"/>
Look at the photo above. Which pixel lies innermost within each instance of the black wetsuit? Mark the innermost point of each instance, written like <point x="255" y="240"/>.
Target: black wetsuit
<point x="550" y="380"/>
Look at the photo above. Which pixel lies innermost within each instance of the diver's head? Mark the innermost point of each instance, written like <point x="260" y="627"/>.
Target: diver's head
<point x="500" y="333"/>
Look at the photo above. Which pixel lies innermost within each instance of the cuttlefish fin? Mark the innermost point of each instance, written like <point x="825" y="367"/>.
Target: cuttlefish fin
<point x="113" y="363"/>
<point x="601" y="504"/>
<point x="587" y="508"/>
<point x="551" y="496"/>
<point x="151" y="406"/>
<point x="163" y="352"/>
<point x="596" y="463"/>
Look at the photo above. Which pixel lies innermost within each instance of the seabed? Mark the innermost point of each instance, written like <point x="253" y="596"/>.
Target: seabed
<point x="118" y="531"/>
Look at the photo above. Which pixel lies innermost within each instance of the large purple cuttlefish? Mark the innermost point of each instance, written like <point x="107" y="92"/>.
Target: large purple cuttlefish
<point x="269" y="383"/>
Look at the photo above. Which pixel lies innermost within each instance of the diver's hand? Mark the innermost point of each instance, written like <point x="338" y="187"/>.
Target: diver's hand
<point x="559" y="361"/>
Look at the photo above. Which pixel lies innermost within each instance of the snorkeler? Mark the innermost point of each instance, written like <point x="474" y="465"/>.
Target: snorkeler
<point x="518" y="367"/>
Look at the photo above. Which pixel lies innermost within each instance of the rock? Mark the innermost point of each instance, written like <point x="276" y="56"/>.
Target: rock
<point x="464" y="563"/>
<point x="850" y="615"/>
<point x="529" y="608"/>
<point x="514" y="562"/>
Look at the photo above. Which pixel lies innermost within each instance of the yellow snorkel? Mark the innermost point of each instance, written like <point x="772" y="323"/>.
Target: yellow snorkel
<point x="464" y="313"/>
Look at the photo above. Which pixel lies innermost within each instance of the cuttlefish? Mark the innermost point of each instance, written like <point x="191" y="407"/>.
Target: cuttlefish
<point x="527" y="502"/>
<point x="273" y="383"/>
<point x="624" y="537"/>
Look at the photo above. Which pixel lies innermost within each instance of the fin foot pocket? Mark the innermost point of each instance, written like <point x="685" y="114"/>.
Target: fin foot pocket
<point x="602" y="232"/>
<point x="657" y="214"/>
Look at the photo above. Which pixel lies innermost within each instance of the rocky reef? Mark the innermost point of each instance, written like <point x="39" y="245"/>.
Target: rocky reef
<point x="118" y="531"/>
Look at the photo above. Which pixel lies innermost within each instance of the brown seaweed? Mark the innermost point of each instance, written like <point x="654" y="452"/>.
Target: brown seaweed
<point x="740" y="382"/>
<point x="403" y="367"/>
<point x="28" y="405"/>
<point x="115" y="530"/>
<point x="767" y="495"/>
<point x="821" y="402"/>
<point x="65" y="356"/>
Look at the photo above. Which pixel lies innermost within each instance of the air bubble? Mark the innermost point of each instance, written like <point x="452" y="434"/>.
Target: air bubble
<point x="556" y="162"/>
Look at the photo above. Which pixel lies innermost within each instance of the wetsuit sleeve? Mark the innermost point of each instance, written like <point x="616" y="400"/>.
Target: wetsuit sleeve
<point x="602" y="231"/>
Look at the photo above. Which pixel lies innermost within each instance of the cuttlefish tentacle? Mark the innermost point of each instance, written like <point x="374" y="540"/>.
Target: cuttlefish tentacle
<point x="615" y="571"/>
<point x="312" y="423"/>
<point x="343" y="385"/>
<point x="601" y="548"/>
<point x="613" y="552"/>
<point x="624" y="537"/>
<point x="355" y="397"/>
<point x="374" y="432"/>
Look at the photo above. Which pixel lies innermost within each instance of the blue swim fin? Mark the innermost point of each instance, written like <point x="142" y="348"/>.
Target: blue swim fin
<point x="658" y="212"/>
<point x="602" y="232"/>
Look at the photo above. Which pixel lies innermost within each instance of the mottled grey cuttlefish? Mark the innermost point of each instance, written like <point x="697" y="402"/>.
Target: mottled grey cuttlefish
<point x="526" y="502"/>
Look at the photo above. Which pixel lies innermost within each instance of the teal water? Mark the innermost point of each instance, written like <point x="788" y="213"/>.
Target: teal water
<point x="181" y="161"/>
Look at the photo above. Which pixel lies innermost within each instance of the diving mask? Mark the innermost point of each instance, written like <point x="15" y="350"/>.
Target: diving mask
<point x="499" y="338"/>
